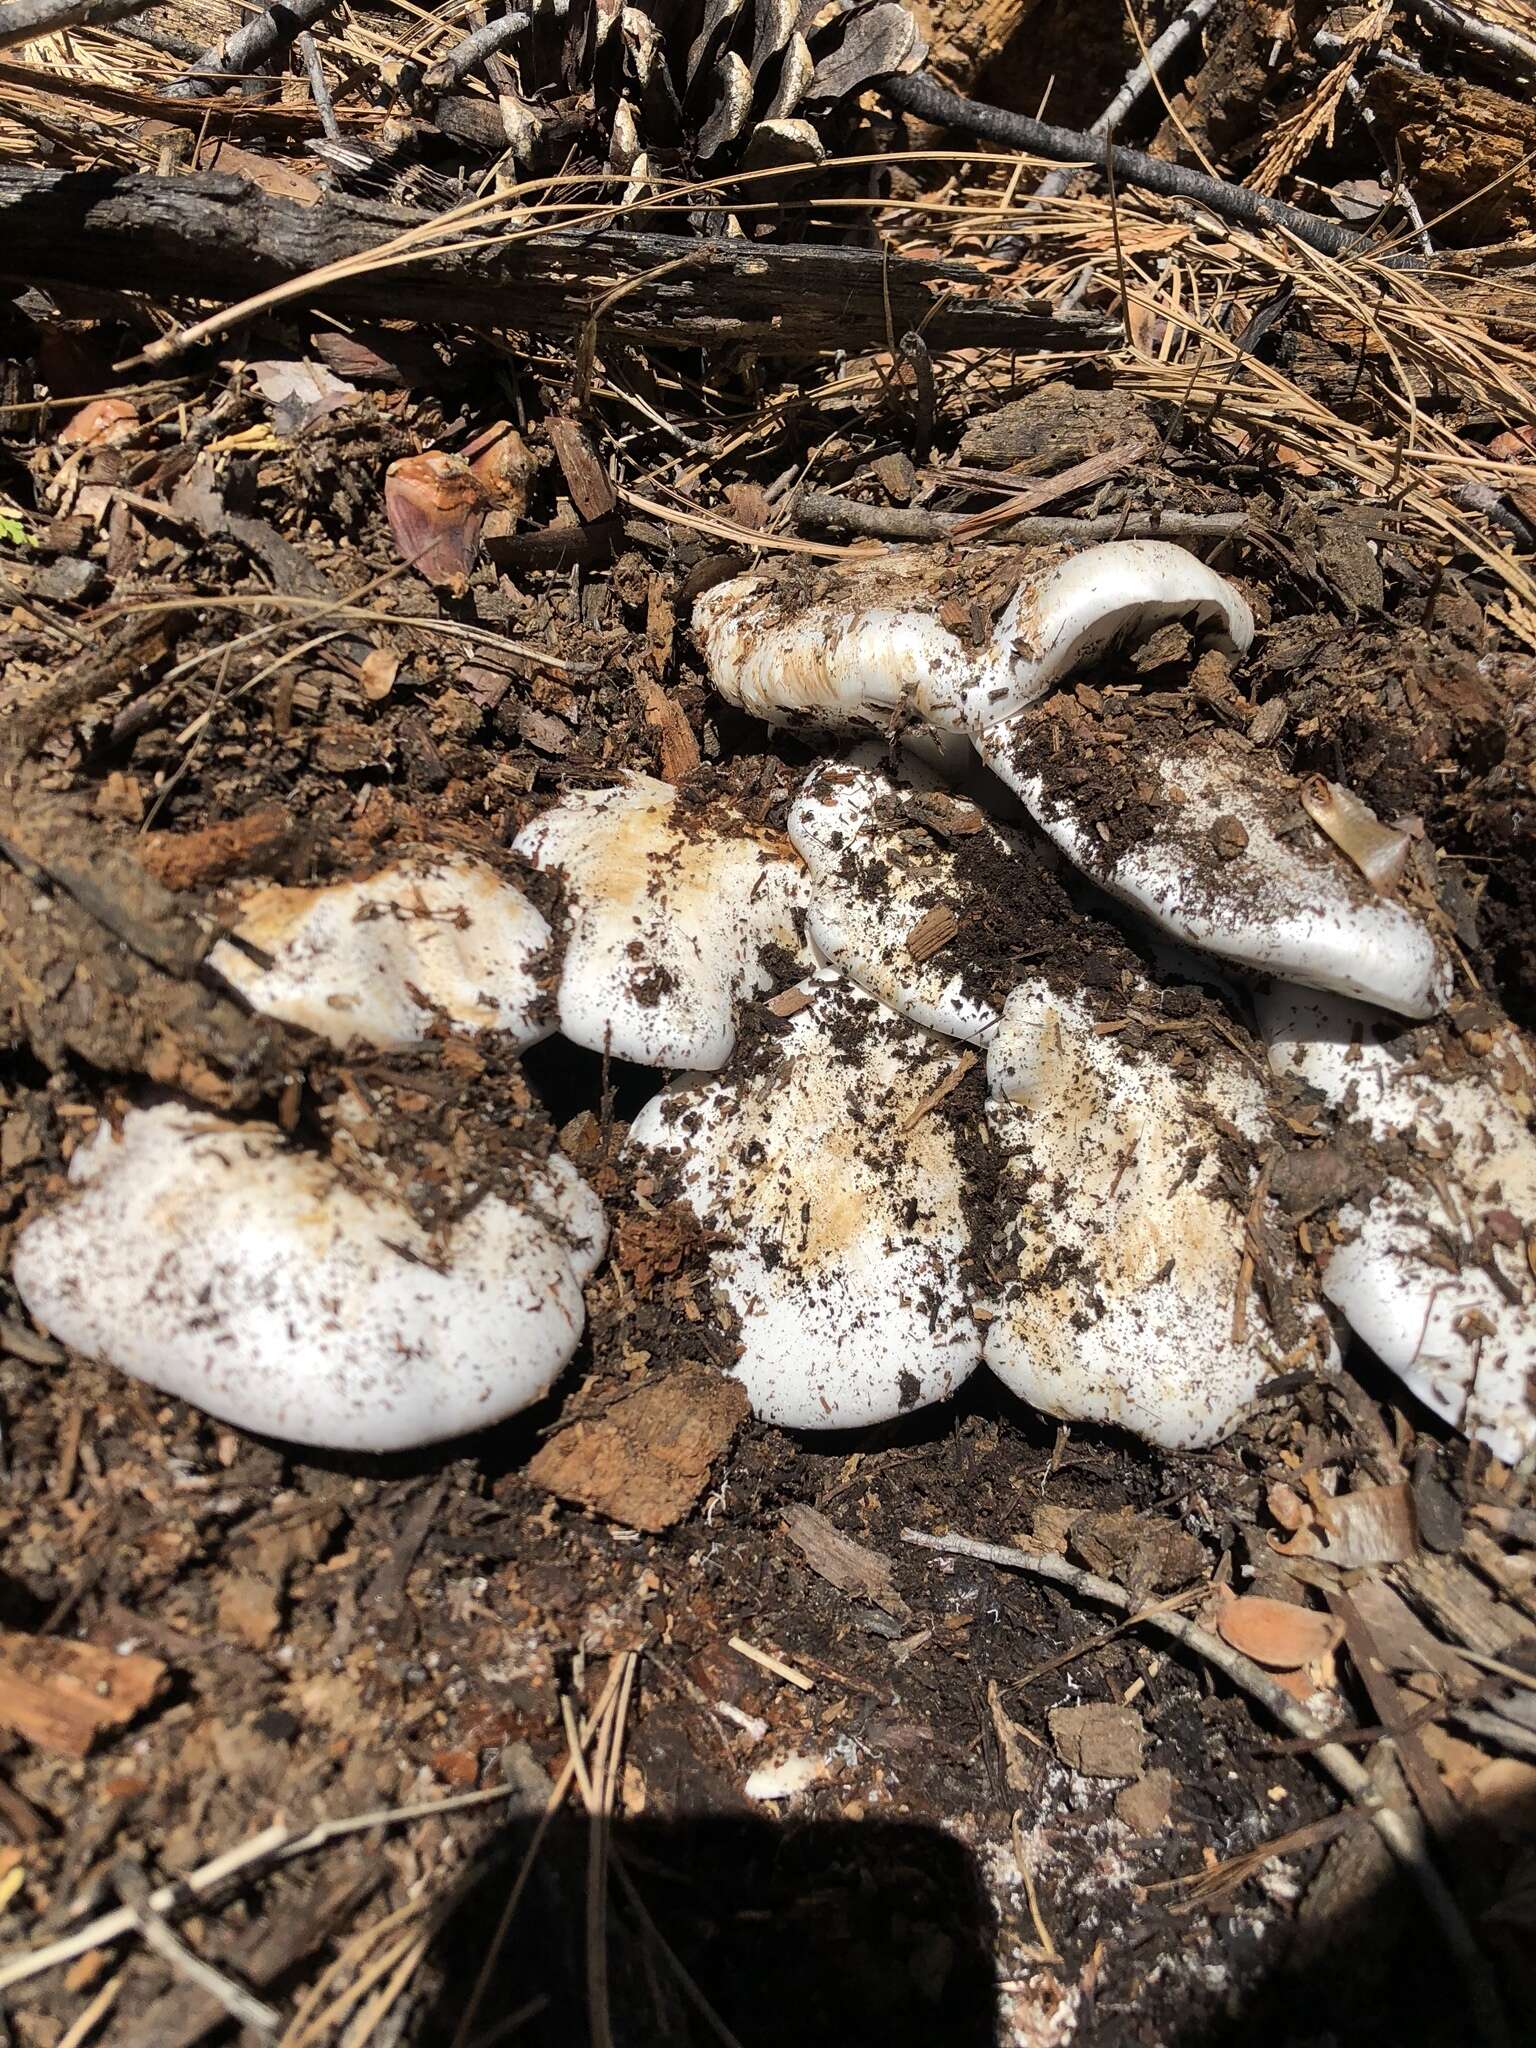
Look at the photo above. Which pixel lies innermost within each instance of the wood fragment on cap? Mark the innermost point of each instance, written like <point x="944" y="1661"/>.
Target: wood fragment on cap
<point x="936" y="1095"/>
<point x="933" y="931"/>
<point x="789" y="1002"/>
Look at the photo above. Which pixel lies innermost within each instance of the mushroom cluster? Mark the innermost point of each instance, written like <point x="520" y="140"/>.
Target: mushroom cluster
<point x="1104" y="1054"/>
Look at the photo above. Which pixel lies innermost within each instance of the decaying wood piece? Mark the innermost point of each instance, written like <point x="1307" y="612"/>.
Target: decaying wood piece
<point x="965" y="36"/>
<point x="160" y="234"/>
<point x="22" y="21"/>
<point x="61" y="1695"/>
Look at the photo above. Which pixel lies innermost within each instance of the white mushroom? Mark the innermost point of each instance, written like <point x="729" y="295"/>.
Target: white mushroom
<point x="914" y="894"/>
<point x="1206" y="836"/>
<point x="429" y="936"/>
<point x="1434" y="1270"/>
<point x="1126" y="1298"/>
<point x="672" y="908"/>
<point x="912" y="635"/>
<point x="221" y="1265"/>
<point x="827" y="1163"/>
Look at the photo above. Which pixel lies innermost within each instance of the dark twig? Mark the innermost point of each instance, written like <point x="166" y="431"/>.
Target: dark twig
<point x="262" y="37"/>
<point x="830" y="513"/>
<point x="929" y="101"/>
<point x="23" y="21"/>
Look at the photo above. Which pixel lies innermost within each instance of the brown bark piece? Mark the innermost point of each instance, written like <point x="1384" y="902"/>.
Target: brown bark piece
<point x="964" y="36"/>
<point x="212" y="853"/>
<point x="61" y="1695"/>
<point x="585" y="477"/>
<point x="645" y="1460"/>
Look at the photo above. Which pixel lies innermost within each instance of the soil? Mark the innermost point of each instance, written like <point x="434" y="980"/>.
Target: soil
<point x="320" y="1636"/>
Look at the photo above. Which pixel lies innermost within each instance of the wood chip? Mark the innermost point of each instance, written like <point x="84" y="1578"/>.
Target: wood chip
<point x="770" y="1663"/>
<point x="61" y="1695"/>
<point x="864" y="1574"/>
<point x="647" y="1458"/>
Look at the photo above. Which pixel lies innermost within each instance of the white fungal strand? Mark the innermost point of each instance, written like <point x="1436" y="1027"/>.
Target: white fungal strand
<point x="672" y="908"/>
<point x="430" y="936"/>
<point x="220" y="1265"/>
<point x="911" y="635"/>
<point x="1433" y="1267"/>
<point x="829" y="1171"/>
<point x="909" y="890"/>
<point x="1206" y="837"/>
<point x="1126" y="1297"/>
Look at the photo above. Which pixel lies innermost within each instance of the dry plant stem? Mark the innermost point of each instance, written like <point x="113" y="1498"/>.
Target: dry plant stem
<point x="320" y="91"/>
<point x="831" y="513"/>
<point x="23" y="21"/>
<point x="1511" y="50"/>
<point x="1400" y="1831"/>
<point x="249" y="47"/>
<point x="1137" y="79"/>
<point x="934" y="103"/>
<point x="157" y="1934"/>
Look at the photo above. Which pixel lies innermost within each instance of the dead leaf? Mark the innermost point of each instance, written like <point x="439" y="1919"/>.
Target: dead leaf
<point x="1371" y="1525"/>
<point x="300" y="393"/>
<point x="1276" y="1634"/>
<point x="436" y="510"/>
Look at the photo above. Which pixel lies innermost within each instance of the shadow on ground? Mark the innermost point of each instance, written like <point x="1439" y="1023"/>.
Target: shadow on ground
<point x="824" y="1933"/>
<point x="776" y="1934"/>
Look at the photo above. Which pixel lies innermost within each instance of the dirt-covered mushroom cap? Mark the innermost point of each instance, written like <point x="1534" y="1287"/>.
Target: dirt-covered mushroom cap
<point x="219" y="1264"/>
<point x="429" y="936"/>
<point x="911" y="635"/>
<point x="1437" y="1154"/>
<point x="1128" y="1170"/>
<point x="828" y="1169"/>
<point x="672" y="907"/>
<point x="911" y="891"/>
<point x="1206" y="836"/>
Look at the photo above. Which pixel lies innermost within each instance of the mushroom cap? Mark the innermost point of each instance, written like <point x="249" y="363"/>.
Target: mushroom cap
<point x="836" y="1191"/>
<point x="671" y="909"/>
<point x="1124" y="1255"/>
<point x="1461" y="1335"/>
<point x="1230" y="863"/>
<point x="218" y="1264"/>
<point x="428" y="936"/>
<point x="885" y="888"/>
<point x="909" y="635"/>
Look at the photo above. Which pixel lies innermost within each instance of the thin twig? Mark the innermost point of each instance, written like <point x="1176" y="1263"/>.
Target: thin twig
<point x="1401" y="1832"/>
<point x="23" y="21"/>
<point x="319" y="89"/>
<point x="1137" y="79"/>
<point x="832" y="513"/>
<point x="929" y="101"/>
